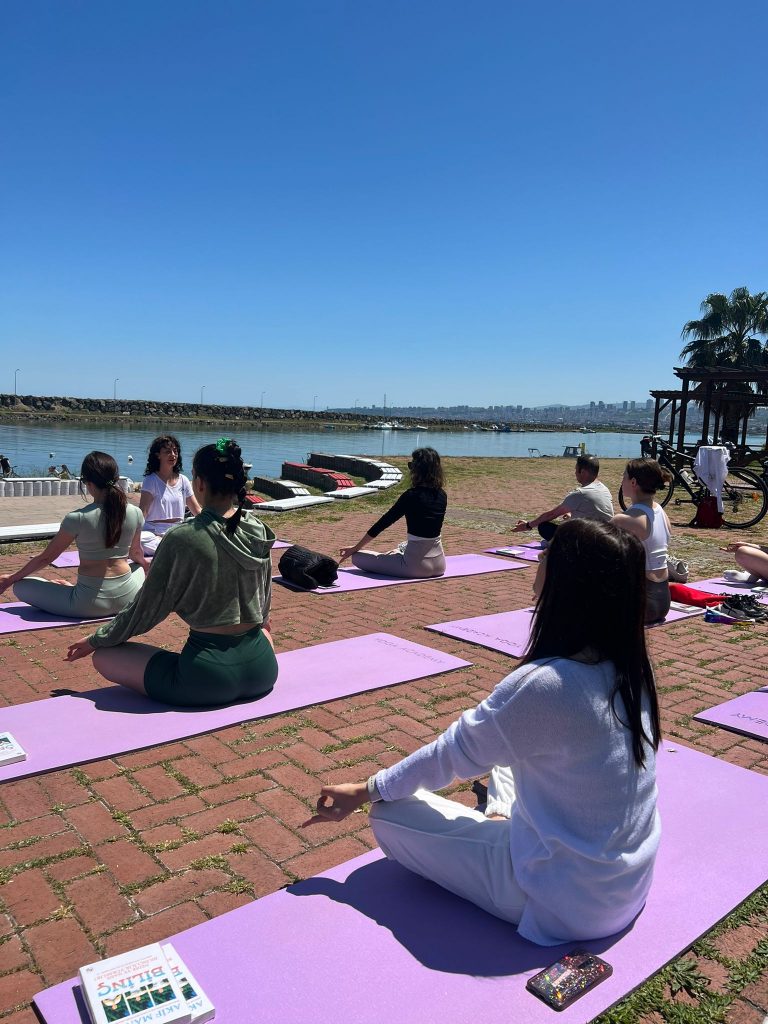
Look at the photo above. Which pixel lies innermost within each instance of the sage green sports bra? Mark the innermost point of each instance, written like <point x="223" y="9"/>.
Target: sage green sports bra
<point x="87" y="525"/>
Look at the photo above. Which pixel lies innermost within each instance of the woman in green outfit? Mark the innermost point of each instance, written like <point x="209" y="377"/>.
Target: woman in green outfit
<point x="215" y="572"/>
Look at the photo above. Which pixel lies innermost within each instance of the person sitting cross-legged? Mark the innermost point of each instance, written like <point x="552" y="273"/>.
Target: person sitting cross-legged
<point x="577" y="725"/>
<point x="106" y="531"/>
<point x="590" y="500"/>
<point x="421" y="556"/>
<point x="753" y="560"/>
<point x="215" y="572"/>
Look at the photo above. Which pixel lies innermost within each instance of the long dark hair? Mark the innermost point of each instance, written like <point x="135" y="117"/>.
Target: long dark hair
<point x="153" y="458"/>
<point x="101" y="470"/>
<point x="221" y="466"/>
<point x="426" y="469"/>
<point x="594" y="597"/>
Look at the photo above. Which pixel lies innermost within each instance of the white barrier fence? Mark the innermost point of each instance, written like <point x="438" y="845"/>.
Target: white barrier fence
<point x="39" y="486"/>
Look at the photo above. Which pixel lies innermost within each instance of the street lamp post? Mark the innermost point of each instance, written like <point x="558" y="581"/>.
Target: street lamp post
<point x="114" y="388"/>
<point x="202" y="389"/>
<point x="262" y="398"/>
<point x="15" y="374"/>
<point x="314" y="404"/>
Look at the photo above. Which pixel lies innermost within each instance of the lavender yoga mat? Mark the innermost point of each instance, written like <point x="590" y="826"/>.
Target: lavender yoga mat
<point x="71" y="558"/>
<point x="747" y="714"/>
<point x="436" y="957"/>
<point x="456" y="565"/>
<point x="66" y="559"/>
<point x="527" y="554"/>
<point x="74" y="729"/>
<point x="508" y="631"/>
<point x="16" y="617"/>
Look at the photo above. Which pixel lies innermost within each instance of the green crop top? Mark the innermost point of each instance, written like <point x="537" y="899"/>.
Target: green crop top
<point x="205" y="575"/>
<point x="87" y="526"/>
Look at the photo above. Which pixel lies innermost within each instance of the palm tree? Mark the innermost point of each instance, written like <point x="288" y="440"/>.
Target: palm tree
<point x="727" y="336"/>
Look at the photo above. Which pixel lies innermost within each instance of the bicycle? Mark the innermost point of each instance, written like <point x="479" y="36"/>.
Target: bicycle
<point x="744" y="494"/>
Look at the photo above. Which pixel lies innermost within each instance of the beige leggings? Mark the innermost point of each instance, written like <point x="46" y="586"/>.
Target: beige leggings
<point x="418" y="558"/>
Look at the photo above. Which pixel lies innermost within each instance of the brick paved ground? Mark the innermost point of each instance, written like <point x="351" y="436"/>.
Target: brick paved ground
<point x="98" y="859"/>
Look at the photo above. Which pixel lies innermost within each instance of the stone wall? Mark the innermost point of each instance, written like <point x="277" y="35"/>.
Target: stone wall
<point x="56" y="408"/>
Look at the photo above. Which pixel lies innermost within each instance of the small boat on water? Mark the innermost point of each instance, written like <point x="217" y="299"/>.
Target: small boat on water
<point x="382" y="425"/>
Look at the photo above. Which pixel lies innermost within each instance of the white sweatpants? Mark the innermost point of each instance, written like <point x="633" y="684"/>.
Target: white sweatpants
<point x="454" y="846"/>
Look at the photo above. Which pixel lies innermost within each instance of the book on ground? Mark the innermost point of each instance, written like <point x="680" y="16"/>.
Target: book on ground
<point x="198" y="1003"/>
<point x="10" y="750"/>
<point x="137" y="987"/>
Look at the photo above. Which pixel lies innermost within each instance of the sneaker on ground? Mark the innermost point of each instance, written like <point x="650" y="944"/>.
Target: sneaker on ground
<point x="715" y="615"/>
<point x="744" y="608"/>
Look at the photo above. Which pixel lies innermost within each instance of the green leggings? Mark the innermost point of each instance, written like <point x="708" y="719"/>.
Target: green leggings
<point x="213" y="669"/>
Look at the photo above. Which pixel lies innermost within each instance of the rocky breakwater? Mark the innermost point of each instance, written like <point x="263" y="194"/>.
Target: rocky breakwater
<point x="55" y="408"/>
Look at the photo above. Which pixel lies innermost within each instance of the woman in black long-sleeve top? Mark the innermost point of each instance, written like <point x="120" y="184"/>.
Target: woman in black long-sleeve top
<point x="423" y="506"/>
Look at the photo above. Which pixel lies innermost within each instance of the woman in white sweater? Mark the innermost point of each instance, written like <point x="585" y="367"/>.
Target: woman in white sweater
<point x="577" y="724"/>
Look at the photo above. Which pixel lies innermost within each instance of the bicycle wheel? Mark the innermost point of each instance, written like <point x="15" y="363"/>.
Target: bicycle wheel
<point x="745" y="499"/>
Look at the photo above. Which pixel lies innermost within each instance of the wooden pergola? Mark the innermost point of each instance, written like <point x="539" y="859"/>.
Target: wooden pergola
<point x="716" y="389"/>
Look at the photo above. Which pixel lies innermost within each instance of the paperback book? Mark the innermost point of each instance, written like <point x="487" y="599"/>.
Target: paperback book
<point x="10" y="750"/>
<point x="137" y="987"/>
<point x="198" y="1003"/>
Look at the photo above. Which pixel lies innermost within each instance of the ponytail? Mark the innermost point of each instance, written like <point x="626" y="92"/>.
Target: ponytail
<point x="101" y="470"/>
<point x="221" y="466"/>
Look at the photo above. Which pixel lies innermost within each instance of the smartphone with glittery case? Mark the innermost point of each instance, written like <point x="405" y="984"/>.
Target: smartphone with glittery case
<point x="563" y="982"/>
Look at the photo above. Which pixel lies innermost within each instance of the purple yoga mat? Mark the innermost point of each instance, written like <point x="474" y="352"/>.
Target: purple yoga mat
<point x="527" y="554"/>
<point x="720" y="586"/>
<point x="436" y="958"/>
<point x="72" y="558"/>
<point x="502" y="631"/>
<point x="508" y="631"/>
<point x="747" y="714"/>
<point x="74" y="729"/>
<point x="67" y="559"/>
<point x="17" y="617"/>
<point x="456" y="565"/>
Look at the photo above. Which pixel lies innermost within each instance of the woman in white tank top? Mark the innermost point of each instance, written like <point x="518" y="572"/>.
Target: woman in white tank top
<point x="647" y="520"/>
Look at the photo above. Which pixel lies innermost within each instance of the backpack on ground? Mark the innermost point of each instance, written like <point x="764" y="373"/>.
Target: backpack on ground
<point x="307" y="569"/>
<point x="707" y="515"/>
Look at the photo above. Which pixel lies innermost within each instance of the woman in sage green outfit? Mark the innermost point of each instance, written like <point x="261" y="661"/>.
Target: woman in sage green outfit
<point x="106" y="532"/>
<point x="215" y="572"/>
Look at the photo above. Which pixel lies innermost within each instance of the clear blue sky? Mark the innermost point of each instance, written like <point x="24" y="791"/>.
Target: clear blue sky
<point x="450" y="202"/>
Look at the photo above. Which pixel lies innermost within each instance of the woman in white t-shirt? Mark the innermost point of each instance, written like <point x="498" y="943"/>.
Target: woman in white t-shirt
<point x="577" y="724"/>
<point x="165" y="492"/>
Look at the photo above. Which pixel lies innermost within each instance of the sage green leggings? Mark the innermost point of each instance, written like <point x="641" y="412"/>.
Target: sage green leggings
<point x="92" y="597"/>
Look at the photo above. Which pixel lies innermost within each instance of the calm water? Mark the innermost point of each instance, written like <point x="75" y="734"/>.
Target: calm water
<point x="32" y="449"/>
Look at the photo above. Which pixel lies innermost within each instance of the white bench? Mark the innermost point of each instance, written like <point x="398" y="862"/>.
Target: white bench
<point x="351" y="492"/>
<point x="39" y="531"/>
<point x="286" y="504"/>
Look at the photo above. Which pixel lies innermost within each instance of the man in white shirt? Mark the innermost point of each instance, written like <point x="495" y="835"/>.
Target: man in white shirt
<point x="590" y="500"/>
